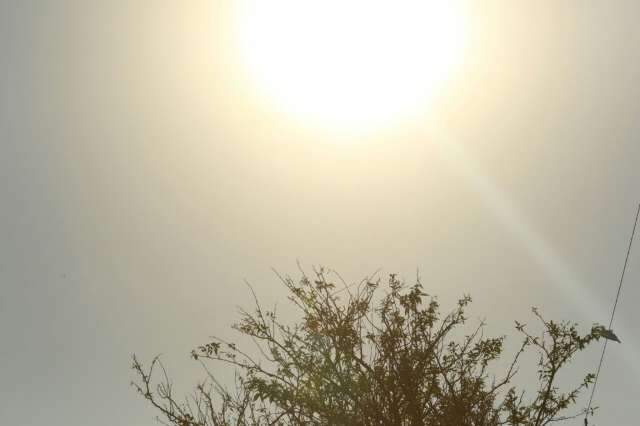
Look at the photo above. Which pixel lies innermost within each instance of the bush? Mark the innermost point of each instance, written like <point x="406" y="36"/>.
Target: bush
<point x="355" y="358"/>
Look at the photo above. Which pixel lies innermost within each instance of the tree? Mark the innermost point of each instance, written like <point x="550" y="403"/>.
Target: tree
<point x="358" y="357"/>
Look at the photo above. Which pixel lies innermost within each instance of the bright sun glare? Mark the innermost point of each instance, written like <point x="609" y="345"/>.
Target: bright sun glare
<point x="352" y="65"/>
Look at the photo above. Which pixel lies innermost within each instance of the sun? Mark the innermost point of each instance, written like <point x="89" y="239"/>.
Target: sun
<point x="348" y="64"/>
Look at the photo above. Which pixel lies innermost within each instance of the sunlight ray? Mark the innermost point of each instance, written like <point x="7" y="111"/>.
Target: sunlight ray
<point x="543" y="253"/>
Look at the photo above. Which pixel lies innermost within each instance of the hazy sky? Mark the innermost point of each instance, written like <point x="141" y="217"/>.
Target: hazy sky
<point x="141" y="180"/>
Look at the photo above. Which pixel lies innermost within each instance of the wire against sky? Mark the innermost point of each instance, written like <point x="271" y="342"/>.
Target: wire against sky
<point x="613" y="313"/>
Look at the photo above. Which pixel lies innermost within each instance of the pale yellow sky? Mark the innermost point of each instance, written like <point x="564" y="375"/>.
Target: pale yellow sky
<point x="144" y="176"/>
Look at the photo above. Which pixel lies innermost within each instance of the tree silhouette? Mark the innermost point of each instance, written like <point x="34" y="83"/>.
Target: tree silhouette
<point x="359" y="357"/>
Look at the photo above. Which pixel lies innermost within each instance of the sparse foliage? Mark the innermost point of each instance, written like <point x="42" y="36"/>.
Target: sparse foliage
<point x="360" y="358"/>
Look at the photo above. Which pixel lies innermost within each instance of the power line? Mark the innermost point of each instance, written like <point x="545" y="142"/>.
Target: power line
<point x="615" y="305"/>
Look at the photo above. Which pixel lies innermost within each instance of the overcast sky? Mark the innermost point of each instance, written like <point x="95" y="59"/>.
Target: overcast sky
<point x="141" y="183"/>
